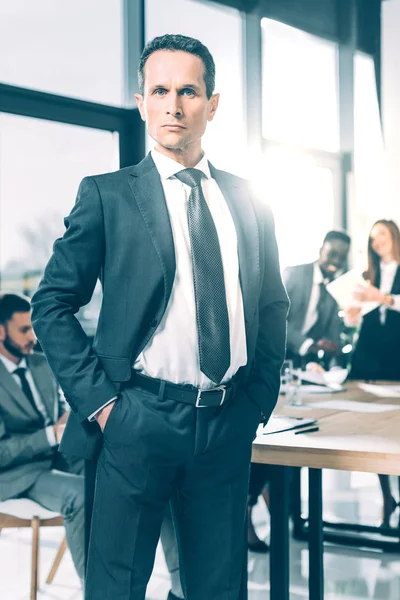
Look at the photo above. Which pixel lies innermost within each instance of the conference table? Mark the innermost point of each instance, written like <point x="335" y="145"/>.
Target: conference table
<point x="347" y="440"/>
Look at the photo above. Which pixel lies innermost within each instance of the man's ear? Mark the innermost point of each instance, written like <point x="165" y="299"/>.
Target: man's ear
<point x="214" y="101"/>
<point x="3" y="333"/>
<point x="140" y="104"/>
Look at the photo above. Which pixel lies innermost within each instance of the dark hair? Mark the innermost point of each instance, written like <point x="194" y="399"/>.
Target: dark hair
<point x="337" y="234"/>
<point x="373" y="257"/>
<point x="12" y="303"/>
<point x="174" y="43"/>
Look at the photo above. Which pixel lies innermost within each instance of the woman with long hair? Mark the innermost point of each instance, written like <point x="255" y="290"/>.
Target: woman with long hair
<point x="377" y="352"/>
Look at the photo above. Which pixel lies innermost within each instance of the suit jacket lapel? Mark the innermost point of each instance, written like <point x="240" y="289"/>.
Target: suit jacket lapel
<point x="43" y="385"/>
<point x="148" y="192"/>
<point x="8" y="382"/>
<point x="307" y="286"/>
<point x="246" y="226"/>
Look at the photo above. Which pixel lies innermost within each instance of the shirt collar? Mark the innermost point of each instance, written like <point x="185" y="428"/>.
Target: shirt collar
<point x="317" y="277"/>
<point x="11" y="366"/>
<point x="167" y="167"/>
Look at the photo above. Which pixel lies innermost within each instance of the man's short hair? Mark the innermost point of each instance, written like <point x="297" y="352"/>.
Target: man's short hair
<point x="12" y="303"/>
<point x="337" y="234"/>
<point x="175" y="43"/>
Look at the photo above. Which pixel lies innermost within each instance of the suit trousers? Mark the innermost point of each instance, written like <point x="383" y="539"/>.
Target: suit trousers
<point x="154" y="449"/>
<point x="169" y="545"/>
<point x="63" y="492"/>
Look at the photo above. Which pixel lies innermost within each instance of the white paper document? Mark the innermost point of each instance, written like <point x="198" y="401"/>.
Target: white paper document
<point x="319" y="389"/>
<point x="324" y="381"/>
<point x="279" y="423"/>
<point x="382" y="391"/>
<point x="353" y="406"/>
<point x="311" y="389"/>
<point x="343" y="287"/>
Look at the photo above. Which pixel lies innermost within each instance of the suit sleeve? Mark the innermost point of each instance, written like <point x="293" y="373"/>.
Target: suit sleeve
<point x="21" y="448"/>
<point x="68" y="283"/>
<point x="295" y="337"/>
<point x="271" y="339"/>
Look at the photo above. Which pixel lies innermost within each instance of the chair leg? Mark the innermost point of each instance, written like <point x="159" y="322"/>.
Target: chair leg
<point x="57" y="560"/>
<point x="35" y="557"/>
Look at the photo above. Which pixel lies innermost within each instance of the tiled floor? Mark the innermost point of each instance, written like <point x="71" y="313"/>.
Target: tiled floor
<point x="350" y="574"/>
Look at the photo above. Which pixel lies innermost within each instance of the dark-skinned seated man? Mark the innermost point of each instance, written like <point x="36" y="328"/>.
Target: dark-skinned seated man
<point x="313" y="322"/>
<point x="313" y="334"/>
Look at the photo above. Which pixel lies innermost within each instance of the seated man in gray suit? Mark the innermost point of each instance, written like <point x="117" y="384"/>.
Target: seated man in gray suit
<point x="32" y="419"/>
<point x="313" y="322"/>
<point x="313" y="333"/>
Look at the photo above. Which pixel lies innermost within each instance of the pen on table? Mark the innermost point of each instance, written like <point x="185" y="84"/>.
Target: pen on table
<point x="306" y="430"/>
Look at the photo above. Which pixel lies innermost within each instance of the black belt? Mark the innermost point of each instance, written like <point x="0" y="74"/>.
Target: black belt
<point x="187" y="393"/>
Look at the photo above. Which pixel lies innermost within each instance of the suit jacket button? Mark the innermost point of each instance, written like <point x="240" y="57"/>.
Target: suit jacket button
<point x="153" y="323"/>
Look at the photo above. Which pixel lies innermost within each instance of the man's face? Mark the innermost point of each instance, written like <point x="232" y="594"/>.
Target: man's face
<point x="174" y="102"/>
<point x="332" y="257"/>
<point x="16" y="336"/>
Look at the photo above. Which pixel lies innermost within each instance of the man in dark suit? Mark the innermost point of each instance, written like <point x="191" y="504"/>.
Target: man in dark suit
<point x="189" y="344"/>
<point x="32" y="418"/>
<point x="313" y="323"/>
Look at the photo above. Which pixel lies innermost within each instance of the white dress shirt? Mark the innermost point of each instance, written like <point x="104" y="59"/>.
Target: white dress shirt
<point x="11" y="367"/>
<point x="172" y="352"/>
<point x="388" y="273"/>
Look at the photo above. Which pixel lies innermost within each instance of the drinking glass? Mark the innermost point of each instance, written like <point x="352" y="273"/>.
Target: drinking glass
<point x="286" y="374"/>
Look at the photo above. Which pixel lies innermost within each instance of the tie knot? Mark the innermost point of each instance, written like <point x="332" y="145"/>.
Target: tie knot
<point x="191" y="177"/>
<point x="20" y="371"/>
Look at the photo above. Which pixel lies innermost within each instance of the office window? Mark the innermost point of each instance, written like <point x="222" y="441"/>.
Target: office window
<point x="369" y="159"/>
<point x="41" y="165"/>
<point x="220" y="29"/>
<point x="70" y="48"/>
<point x="299" y="81"/>
<point x="301" y="194"/>
<point x="370" y="187"/>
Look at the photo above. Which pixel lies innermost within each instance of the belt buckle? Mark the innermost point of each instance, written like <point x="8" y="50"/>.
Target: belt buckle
<point x="220" y="388"/>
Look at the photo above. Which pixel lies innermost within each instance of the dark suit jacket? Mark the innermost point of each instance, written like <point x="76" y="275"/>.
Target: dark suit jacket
<point x="377" y="350"/>
<point x="298" y="282"/>
<point x="119" y="231"/>
<point x="24" y="449"/>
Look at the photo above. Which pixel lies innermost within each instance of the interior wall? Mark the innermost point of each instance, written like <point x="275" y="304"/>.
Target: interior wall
<point x="391" y="100"/>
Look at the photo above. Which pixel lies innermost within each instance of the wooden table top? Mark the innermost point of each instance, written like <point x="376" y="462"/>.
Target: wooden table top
<point x="350" y="441"/>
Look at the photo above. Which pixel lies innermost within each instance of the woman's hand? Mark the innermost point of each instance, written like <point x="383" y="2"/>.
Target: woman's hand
<point x="315" y="367"/>
<point x="352" y="316"/>
<point x="368" y="293"/>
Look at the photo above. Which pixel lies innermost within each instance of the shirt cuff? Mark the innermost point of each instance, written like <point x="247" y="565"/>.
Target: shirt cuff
<point x="93" y="415"/>
<point x="306" y="345"/>
<point x="396" y="303"/>
<point x="51" y="436"/>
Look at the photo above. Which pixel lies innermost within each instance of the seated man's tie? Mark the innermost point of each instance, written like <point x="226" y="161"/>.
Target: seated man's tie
<point x="318" y="330"/>
<point x="26" y="388"/>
